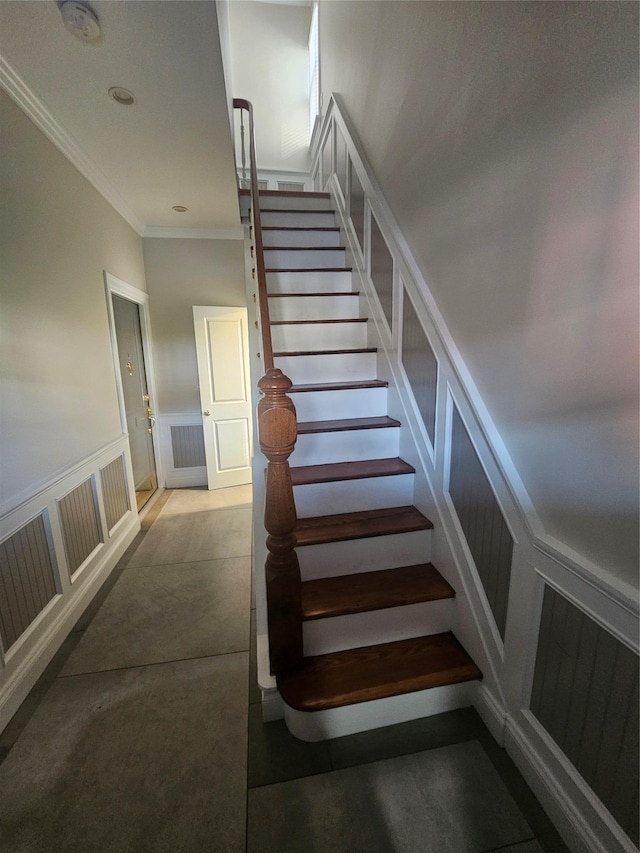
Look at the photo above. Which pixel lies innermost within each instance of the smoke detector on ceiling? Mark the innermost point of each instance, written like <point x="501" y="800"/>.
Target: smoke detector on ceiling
<point x="80" y="20"/>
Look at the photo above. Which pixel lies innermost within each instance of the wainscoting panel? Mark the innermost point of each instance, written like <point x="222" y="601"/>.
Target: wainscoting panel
<point x="484" y="527"/>
<point x="585" y="694"/>
<point x="420" y="366"/>
<point x="326" y="159"/>
<point x="182" y="450"/>
<point x="277" y="179"/>
<point x="80" y="527"/>
<point x="341" y="162"/>
<point x="114" y="491"/>
<point x="291" y="186"/>
<point x="44" y="539"/>
<point x="356" y="206"/>
<point x="382" y="270"/>
<point x="187" y="444"/>
<point x="27" y="580"/>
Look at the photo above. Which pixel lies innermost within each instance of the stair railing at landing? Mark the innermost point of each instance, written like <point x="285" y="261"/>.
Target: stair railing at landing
<point x="277" y="431"/>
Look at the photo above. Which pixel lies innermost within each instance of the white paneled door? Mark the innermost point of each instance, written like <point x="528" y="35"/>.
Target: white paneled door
<point x="222" y="346"/>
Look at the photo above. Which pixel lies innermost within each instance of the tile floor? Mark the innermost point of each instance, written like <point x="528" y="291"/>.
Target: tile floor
<point x="145" y="732"/>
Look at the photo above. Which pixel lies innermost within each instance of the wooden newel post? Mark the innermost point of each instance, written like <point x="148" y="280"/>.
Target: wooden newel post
<point x="278" y="433"/>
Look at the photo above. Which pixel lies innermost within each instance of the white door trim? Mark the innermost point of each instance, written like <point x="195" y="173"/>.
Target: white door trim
<point x="115" y="286"/>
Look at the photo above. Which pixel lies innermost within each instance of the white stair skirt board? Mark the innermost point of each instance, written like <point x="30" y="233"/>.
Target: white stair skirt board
<point x="300" y="238"/>
<point x="321" y="448"/>
<point x="318" y="336"/>
<point x="293" y="219"/>
<point x="352" y="403"/>
<point x="332" y="559"/>
<point x="353" y="495"/>
<point x="335" y="634"/>
<point x="272" y="704"/>
<point x="330" y="367"/>
<point x="304" y="201"/>
<point x="337" y="722"/>
<point x="303" y="259"/>
<point x="309" y="282"/>
<point x="314" y="307"/>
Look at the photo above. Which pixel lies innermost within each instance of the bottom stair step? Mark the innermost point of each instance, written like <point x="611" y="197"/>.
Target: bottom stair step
<point x="376" y="672"/>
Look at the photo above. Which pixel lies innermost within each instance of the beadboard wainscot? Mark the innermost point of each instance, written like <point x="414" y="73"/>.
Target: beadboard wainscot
<point x="183" y="461"/>
<point x="58" y="545"/>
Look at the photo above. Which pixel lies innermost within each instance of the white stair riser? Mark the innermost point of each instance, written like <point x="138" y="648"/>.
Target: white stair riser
<point x="352" y="403"/>
<point x="302" y="259"/>
<point x="338" y="722"/>
<point x="319" y="448"/>
<point x="313" y="307"/>
<point x="301" y="238"/>
<point x="309" y="282"/>
<point x="323" y="636"/>
<point x="353" y="495"/>
<point x="364" y="555"/>
<point x="305" y="201"/>
<point x="341" y="367"/>
<point x="315" y="336"/>
<point x="292" y="219"/>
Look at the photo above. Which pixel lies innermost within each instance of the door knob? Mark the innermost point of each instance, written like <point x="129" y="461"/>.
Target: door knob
<point x="207" y="413"/>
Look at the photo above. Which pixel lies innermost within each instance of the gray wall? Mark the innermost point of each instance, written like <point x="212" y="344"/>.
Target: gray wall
<point x="182" y="273"/>
<point x="504" y="137"/>
<point x="57" y="236"/>
<point x="270" y="68"/>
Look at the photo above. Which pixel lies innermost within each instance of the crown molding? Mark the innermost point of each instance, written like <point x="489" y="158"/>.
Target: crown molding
<point x="33" y="107"/>
<point x="234" y="233"/>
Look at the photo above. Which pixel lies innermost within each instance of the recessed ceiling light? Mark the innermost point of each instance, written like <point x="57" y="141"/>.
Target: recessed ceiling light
<point x="179" y="208"/>
<point x="80" y="20"/>
<point x="122" y="96"/>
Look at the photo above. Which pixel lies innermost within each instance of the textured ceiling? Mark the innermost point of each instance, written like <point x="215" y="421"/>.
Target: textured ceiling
<point x="173" y="147"/>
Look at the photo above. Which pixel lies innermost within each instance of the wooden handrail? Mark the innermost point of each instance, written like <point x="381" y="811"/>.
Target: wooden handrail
<point x="277" y="429"/>
<point x="263" y="301"/>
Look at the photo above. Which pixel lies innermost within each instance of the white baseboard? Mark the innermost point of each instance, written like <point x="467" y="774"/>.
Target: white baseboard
<point x="493" y="715"/>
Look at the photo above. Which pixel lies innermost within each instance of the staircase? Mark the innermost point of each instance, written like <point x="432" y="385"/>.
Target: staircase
<point x="377" y="614"/>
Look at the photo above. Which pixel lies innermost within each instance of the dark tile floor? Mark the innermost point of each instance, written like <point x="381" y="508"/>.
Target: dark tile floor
<point x="145" y="731"/>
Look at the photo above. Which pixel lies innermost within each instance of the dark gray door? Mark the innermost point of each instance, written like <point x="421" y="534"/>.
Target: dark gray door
<point x="137" y="402"/>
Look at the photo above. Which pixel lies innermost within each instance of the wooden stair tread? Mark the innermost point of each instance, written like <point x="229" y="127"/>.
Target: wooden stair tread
<point x="324" y="293"/>
<point x="333" y="472"/>
<point x="325" y="352"/>
<point x="340" y="386"/>
<point x="377" y="672"/>
<point x="360" y="525"/>
<point x="289" y="193"/>
<point x="347" y="424"/>
<point x="317" y="322"/>
<point x="359" y="593"/>
<point x="292" y="210"/>
<point x="304" y="248"/>
<point x="309" y="269"/>
<point x="301" y="227"/>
